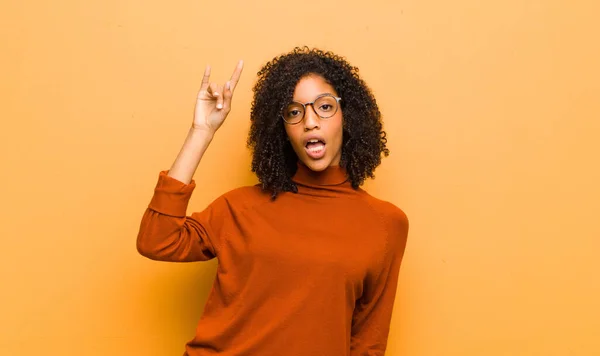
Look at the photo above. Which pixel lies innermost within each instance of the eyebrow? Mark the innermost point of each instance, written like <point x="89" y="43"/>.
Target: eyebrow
<point x="298" y="101"/>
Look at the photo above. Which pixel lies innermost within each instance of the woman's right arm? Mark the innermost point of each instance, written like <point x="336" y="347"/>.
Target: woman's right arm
<point x="166" y="233"/>
<point x="213" y="104"/>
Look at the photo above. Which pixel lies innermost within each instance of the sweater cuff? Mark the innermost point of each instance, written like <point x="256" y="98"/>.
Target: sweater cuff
<point x="171" y="196"/>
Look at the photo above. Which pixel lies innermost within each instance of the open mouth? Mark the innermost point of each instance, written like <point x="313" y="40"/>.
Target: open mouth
<point x="315" y="148"/>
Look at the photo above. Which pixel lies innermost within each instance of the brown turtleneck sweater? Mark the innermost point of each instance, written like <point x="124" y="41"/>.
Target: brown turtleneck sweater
<point x="310" y="273"/>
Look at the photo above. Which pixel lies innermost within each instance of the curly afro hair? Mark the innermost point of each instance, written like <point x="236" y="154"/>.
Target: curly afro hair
<point x="273" y="158"/>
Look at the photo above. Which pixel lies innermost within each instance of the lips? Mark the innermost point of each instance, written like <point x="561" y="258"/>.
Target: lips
<point x="315" y="147"/>
<point x="312" y="139"/>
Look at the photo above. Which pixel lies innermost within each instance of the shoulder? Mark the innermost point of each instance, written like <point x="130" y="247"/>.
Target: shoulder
<point x="386" y="209"/>
<point x="242" y="198"/>
<point x="393" y="218"/>
<point x="249" y="192"/>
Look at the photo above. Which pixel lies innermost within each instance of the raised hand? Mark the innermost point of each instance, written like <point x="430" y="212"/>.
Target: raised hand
<point x="213" y="102"/>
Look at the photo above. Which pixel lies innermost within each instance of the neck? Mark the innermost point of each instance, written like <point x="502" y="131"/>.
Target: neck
<point x="330" y="176"/>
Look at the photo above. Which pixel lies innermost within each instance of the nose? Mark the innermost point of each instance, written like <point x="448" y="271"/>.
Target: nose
<point x="311" y="119"/>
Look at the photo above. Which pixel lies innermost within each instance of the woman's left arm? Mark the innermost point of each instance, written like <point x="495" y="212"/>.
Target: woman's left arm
<point x="373" y="312"/>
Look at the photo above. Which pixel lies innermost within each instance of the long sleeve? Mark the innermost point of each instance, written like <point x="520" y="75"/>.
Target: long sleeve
<point x="167" y="234"/>
<point x="373" y="312"/>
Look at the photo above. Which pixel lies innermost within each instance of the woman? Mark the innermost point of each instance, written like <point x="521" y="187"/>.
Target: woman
<point x="308" y="261"/>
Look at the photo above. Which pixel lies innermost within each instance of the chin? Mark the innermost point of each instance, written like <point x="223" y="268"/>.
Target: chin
<point x="317" y="165"/>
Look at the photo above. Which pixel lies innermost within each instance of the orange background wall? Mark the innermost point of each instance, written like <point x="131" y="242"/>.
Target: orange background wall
<point x="493" y="117"/>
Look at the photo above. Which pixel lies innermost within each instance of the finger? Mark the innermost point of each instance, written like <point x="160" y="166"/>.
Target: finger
<point x="235" y="77"/>
<point x="205" y="78"/>
<point x="220" y="99"/>
<point x="227" y="94"/>
<point x="213" y="90"/>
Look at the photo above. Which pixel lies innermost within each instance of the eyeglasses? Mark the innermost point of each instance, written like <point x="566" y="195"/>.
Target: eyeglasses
<point x="325" y="105"/>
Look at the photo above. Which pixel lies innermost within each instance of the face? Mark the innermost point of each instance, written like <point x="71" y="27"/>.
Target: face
<point x="316" y="141"/>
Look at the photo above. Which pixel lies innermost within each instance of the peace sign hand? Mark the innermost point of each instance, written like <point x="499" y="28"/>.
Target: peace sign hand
<point x="214" y="101"/>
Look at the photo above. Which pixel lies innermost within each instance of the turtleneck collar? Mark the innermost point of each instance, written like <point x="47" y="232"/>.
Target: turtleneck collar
<point x="331" y="176"/>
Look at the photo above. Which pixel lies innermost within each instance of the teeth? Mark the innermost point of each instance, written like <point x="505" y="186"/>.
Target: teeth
<point x="314" y="140"/>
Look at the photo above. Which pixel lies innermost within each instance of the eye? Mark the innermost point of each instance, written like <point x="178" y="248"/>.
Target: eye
<point x="325" y="107"/>
<point x="293" y="114"/>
